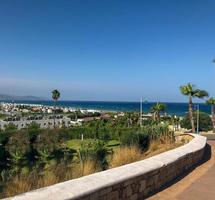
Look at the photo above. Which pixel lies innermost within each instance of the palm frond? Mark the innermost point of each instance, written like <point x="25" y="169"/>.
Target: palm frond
<point x="200" y="93"/>
<point x="210" y="101"/>
<point x="55" y="95"/>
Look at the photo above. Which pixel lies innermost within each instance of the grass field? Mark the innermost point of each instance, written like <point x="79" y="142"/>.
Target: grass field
<point x="76" y="143"/>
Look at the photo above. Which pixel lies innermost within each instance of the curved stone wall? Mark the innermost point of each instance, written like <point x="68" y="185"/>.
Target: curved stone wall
<point x="132" y="181"/>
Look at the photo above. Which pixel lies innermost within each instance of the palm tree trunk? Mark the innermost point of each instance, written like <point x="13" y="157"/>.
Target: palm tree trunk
<point x="191" y="114"/>
<point x="54" y="112"/>
<point x="213" y="117"/>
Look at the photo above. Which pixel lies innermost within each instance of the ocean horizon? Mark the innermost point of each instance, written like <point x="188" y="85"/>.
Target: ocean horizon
<point x="172" y="108"/>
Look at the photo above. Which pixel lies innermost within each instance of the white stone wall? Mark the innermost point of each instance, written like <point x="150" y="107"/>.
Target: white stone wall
<point x="129" y="182"/>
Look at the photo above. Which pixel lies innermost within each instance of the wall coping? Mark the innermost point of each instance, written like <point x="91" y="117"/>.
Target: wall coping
<point x="77" y="188"/>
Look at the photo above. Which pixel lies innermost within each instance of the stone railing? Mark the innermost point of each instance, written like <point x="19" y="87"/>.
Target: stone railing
<point x="132" y="181"/>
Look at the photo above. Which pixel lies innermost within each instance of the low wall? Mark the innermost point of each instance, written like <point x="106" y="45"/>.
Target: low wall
<point x="132" y="181"/>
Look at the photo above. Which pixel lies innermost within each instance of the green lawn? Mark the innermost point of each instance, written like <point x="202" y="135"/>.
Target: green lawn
<point x="76" y="143"/>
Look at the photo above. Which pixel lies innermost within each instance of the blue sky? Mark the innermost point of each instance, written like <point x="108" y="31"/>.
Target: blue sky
<point x="107" y="49"/>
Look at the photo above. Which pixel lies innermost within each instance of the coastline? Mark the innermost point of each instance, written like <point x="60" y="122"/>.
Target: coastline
<point x="179" y="109"/>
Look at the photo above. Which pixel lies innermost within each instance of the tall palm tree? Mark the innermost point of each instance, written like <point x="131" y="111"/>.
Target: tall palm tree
<point x="55" y="97"/>
<point x="190" y="91"/>
<point x="211" y="102"/>
<point x="157" y="109"/>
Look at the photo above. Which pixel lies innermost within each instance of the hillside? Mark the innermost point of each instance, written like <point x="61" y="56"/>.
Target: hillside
<point x="7" y="97"/>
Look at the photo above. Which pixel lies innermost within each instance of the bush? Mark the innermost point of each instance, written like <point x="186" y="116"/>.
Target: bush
<point x="10" y="128"/>
<point x="101" y="153"/>
<point x="18" y="146"/>
<point x="205" y="123"/>
<point x="96" y="151"/>
<point x="135" y="139"/>
<point x="33" y="131"/>
<point x="48" y="142"/>
<point x="143" y="136"/>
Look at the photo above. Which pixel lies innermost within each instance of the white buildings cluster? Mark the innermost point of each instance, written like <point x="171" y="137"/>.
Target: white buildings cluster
<point x="43" y="123"/>
<point x="10" y="108"/>
<point x="14" y="114"/>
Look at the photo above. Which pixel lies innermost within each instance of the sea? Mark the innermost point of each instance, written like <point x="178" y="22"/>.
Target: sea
<point x="178" y="109"/>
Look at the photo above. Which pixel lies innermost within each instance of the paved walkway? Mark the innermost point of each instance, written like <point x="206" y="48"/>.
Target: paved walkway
<point x="199" y="184"/>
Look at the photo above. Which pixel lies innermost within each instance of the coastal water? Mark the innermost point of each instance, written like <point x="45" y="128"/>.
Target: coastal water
<point x="171" y="108"/>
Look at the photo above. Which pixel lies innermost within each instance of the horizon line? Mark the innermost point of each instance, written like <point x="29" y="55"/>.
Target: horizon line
<point x="105" y="101"/>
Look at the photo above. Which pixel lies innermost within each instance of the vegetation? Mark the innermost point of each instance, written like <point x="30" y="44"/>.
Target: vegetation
<point x="190" y="91"/>
<point x="35" y="157"/>
<point x="211" y="102"/>
<point x="205" y="123"/>
<point x="157" y="109"/>
<point x="131" y="154"/>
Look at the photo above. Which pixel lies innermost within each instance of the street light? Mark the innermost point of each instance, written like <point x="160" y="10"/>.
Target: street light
<point x="141" y="112"/>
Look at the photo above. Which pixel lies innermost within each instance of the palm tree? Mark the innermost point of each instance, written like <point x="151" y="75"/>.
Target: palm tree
<point x="190" y="91"/>
<point x="211" y="102"/>
<point x="55" y="97"/>
<point x="157" y="109"/>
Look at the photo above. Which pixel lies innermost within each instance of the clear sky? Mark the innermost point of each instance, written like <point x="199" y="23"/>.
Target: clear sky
<point x="107" y="49"/>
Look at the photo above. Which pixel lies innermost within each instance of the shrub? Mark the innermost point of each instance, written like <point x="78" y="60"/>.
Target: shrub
<point x="129" y="139"/>
<point x="18" y="146"/>
<point x="135" y="139"/>
<point x="47" y="142"/>
<point x="205" y="123"/>
<point x="101" y="154"/>
<point x="33" y="130"/>
<point x="10" y="129"/>
<point x="96" y="151"/>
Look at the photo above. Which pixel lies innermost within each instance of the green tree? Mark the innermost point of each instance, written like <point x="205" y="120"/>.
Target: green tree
<point x="205" y="123"/>
<point x="190" y="91"/>
<point x="211" y="102"/>
<point x="55" y="97"/>
<point x="157" y="109"/>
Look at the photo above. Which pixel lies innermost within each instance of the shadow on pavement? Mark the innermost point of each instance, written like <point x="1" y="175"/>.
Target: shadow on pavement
<point x="206" y="157"/>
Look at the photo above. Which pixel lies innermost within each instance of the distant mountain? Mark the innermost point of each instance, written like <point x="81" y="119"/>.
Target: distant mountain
<point x="7" y="97"/>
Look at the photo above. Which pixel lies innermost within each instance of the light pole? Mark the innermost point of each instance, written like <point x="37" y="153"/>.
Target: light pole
<point x="141" y="112"/>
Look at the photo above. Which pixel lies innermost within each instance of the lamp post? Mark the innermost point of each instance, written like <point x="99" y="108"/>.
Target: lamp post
<point x="141" y="112"/>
